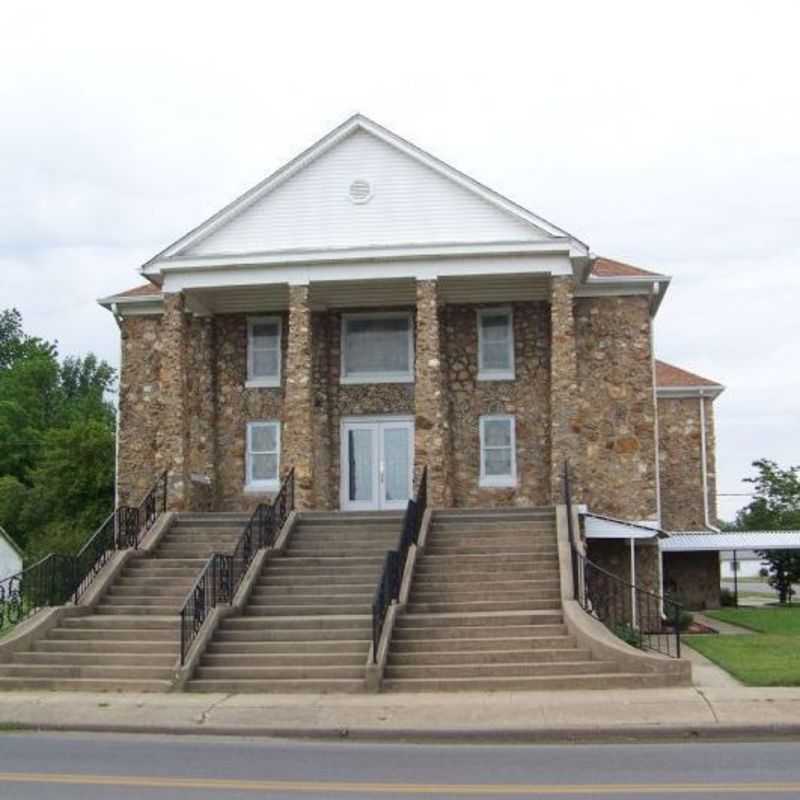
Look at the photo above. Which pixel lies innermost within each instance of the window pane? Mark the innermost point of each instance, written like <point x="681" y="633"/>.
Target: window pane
<point x="396" y="452"/>
<point x="265" y="467"/>
<point x="263" y="438"/>
<point x="265" y="363"/>
<point x="496" y="355"/>
<point x="495" y="327"/>
<point x="359" y="452"/>
<point x="497" y="433"/>
<point x="377" y="345"/>
<point x="497" y="462"/>
<point x="265" y="334"/>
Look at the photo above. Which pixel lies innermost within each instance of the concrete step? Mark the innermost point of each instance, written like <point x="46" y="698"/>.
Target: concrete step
<point x="492" y="560"/>
<point x="349" y="517"/>
<point x="275" y="685"/>
<point x="279" y="574"/>
<point x="493" y="514"/>
<point x="293" y="672"/>
<point x="426" y="634"/>
<point x="552" y="637"/>
<point x="613" y="680"/>
<point x="494" y="539"/>
<point x="480" y="619"/>
<point x="501" y="670"/>
<point x="90" y="658"/>
<point x="460" y="657"/>
<point x="133" y="588"/>
<point x="331" y="579"/>
<point x="123" y="598"/>
<point x="251" y="661"/>
<point x="151" y="563"/>
<point x="106" y="608"/>
<point x="330" y="562"/>
<point x="133" y="635"/>
<point x="500" y="551"/>
<point x="85" y="684"/>
<point x="299" y="609"/>
<point x="314" y="551"/>
<point x="321" y="596"/>
<point x="105" y="672"/>
<point x="498" y="583"/>
<point x="89" y="621"/>
<point x="464" y="607"/>
<point x="290" y="649"/>
<point x="472" y="576"/>
<point x="305" y="622"/>
<point x="432" y="594"/>
<point x="267" y="589"/>
<point x="135" y="646"/>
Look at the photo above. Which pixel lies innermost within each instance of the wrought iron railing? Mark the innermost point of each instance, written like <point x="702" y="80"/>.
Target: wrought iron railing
<point x="57" y="579"/>
<point x="212" y="586"/>
<point x="223" y="573"/>
<point x="641" y="618"/>
<point x="135" y="521"/>
<point x="388" y="588"/>
<point x="95" y="553"/>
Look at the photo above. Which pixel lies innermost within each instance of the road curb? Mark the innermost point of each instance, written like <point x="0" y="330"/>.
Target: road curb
<point x="631" y="734"/>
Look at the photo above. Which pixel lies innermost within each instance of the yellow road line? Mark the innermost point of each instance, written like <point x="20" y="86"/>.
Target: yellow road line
<point x="328" y="787"/>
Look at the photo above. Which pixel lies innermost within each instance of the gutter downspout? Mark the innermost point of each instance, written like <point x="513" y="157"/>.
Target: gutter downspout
<point x="704" y="465"/>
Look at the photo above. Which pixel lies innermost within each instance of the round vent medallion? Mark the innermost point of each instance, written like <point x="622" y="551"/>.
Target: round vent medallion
<point x="360" y="191"/>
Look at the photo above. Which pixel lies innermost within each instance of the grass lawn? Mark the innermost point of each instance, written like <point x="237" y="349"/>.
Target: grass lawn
<point x="770" y="656"/>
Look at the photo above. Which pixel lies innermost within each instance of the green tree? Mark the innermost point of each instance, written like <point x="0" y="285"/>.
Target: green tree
<point x="775" y="506"/>
<point x="56" y="442"/>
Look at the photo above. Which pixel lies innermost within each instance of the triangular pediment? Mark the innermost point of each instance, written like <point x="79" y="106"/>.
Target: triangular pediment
<point x="362" y="187"/>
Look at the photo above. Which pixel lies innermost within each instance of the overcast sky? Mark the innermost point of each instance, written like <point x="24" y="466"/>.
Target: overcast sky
<point x="666" y="135"/>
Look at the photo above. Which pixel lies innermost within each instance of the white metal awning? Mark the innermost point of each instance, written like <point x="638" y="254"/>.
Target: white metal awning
<point x="697" y="541"/>
<point x="596" y="526"/>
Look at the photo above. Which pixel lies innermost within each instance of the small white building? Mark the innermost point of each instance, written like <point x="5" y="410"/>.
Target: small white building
<point x="10" y="556"/>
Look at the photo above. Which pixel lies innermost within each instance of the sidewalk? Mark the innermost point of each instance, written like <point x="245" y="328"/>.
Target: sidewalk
<point x="684" y="712"/>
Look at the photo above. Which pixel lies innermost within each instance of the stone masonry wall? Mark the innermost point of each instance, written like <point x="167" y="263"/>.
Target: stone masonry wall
<point x="139" y="406"/>
<point x="527" y="397"/>
<point x="617" y="416"/>
<point x="680" y="459"/>
<point x="693" y="579"/>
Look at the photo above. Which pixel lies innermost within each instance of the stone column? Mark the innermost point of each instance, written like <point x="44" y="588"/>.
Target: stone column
<point x="298" y="399"/>
<point x="173" y="437"/>
<point x="431" y="428"/>
<point x="564" y="429"/>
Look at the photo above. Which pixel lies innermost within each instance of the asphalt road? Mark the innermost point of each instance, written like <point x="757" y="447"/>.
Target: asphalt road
<point x="44" y="766"/>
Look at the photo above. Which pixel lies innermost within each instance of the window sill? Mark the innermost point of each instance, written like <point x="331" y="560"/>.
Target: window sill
<point x="496" y="376"/>
<point x="498" y="483"/>
<point x="386" y="377"/>
<point x="269" y="487"/>
<point x="262" y="383"/>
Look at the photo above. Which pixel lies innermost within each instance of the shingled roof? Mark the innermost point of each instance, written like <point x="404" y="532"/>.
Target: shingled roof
<point x="139" y="291"/>
<point x="608" y="268"/>
<point x="669" y="375"/>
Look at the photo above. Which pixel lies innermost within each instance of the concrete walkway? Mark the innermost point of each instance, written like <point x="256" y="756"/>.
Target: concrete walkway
<point x="523" y="716"/>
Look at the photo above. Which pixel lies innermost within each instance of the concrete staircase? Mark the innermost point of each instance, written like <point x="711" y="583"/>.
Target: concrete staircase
<point x="308" y="622"/>
<point x="130" y="640"/>
<point x="485" y="611"/>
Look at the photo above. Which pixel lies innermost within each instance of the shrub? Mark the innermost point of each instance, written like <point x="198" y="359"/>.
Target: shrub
<point x="628" y="634"/>
<point x="727" y="598"/>
<point x="763" y="572"/>
<point x="685" y="619"/>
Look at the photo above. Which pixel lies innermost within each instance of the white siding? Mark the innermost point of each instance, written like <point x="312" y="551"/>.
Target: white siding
<point x="411" y="204"/>
<point x="10" y="562"/>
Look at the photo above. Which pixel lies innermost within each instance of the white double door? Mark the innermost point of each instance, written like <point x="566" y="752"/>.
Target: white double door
<point x="377" y="463"/>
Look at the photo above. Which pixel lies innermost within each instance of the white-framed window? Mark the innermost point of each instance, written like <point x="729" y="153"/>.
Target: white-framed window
<point x="498" y="451"/>
<point x="263" y="455"/>
<point x="495" y="344"/>
<point x="377" y="348"/>
<point x="263" y="351"/>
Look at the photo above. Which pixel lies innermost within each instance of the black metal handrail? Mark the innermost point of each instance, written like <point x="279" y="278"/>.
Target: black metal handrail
<point x="389" y="583"/>
<point x="223" y="573"/>
<point x="57" y="579"/>
<point x="640" y="617"/>
<point x="135" y="521"/>
<point x="213" y="581"/>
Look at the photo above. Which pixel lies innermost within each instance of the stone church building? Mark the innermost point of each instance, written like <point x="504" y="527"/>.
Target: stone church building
<point x="367" y="311"/>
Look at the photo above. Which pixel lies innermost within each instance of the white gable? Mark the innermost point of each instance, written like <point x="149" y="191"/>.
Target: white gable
<point x="411" y="203"/>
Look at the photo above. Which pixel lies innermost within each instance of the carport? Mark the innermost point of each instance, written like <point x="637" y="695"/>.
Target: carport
<point x="731" y="541"/>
